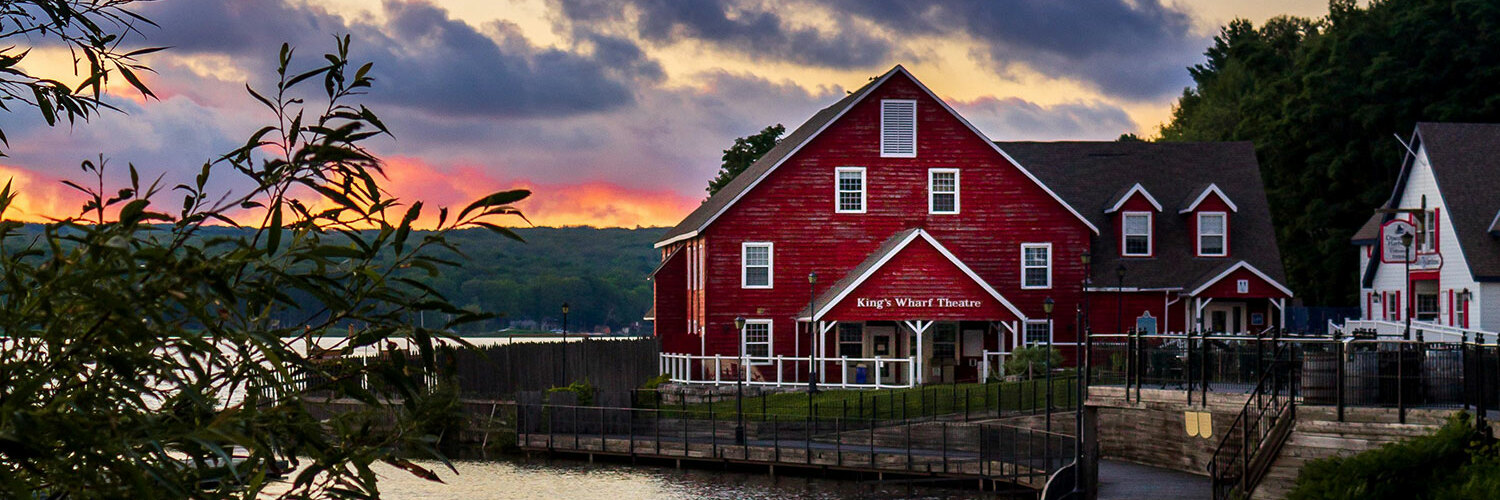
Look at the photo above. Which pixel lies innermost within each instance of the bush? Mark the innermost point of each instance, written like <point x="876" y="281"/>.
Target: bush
<point x="1032" y="361"/>
<point x="1455" y="462"/>
<point x="583" y="389"/>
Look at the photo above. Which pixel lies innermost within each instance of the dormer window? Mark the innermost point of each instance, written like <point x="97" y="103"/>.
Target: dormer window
<point x="1135" y="233"/>
<point x="942" y="191"/>
<point x="1213" y="234"/>
<point x="898" y="128"/>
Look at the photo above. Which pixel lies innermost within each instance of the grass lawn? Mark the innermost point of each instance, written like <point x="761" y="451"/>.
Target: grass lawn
<point x="973" y="399"/>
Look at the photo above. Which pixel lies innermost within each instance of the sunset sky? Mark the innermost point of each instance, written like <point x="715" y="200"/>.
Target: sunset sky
<point x="616" y="112"/>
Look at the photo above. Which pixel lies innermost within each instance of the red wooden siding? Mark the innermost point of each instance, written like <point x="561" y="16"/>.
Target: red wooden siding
<point x="793" y="207"/>
<point x="1226" y="287"/>
<point x="912" y="285"/>
<point x="670" y="286"/>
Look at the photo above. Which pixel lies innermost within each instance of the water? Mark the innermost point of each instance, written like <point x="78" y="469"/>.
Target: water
<point x="519" y="478"/>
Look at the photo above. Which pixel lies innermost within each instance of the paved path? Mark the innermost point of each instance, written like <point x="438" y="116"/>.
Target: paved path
<point x="1128" y="481"/>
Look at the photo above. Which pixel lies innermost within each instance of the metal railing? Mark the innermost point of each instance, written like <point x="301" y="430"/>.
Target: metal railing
<point x="1255" y="437"/>
<point x="953" y="449"/>
<point x="878" y="372"/>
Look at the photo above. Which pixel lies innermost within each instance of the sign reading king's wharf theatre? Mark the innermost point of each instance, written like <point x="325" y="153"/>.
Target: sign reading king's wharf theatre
<point x="881" y="303"/>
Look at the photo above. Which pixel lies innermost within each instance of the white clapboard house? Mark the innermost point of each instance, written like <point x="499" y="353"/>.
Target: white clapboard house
<point x="1446" y="196"/>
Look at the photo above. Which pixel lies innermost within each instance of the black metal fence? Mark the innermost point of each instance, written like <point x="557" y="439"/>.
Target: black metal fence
<point x="500" y="371"/>
<point x="1358" y="371"/>
<point x="957" y="449"/>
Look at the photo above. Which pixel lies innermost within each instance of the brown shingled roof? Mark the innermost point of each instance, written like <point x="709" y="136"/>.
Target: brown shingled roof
<point x="1089" y="175"/>
<point x="1465" y="160"/>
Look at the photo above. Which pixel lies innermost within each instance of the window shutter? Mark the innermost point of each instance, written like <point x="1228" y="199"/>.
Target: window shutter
<point x="898" y="129"/>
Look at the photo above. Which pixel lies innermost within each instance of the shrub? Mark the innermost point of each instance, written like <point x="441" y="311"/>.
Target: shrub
<point x="1454" y="462"/>
<point x="583" y="389"/>
<point x="1032" y="361"/>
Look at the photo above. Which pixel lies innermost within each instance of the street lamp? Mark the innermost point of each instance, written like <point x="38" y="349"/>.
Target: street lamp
<point x="739" y="386"/>
<point x="1047" y="359"/>
<point x="1406" y="241"/>
<point x="812" y="329"/>
<point x="565" y="343"/>
<point x="1082" y="360"/>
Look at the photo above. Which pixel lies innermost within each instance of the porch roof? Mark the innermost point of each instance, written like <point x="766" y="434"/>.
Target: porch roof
<point x="883" y="255"/>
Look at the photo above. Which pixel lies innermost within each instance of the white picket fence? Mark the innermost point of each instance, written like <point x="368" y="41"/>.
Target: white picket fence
<point x="779" y="371"/>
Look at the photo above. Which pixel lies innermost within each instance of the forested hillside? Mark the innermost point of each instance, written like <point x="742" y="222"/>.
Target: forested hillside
<point x="1323" y="99"/>
<point x="600" y="273"/>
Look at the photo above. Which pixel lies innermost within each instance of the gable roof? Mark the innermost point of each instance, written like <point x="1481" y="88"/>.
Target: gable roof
<point x="720" y="202"/>
<point x="1369" y="232"/>
<point x="1211" y="188"/>
<point x="883" y="254"/>
<point x="1122" y="198"/>
<point x="1211" y="278"/>
<point x="1465" y="160"/>
<point x="1089" y="174"/>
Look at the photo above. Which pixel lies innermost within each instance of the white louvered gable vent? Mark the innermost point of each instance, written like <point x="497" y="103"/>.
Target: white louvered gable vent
<point x="898" y="128"/>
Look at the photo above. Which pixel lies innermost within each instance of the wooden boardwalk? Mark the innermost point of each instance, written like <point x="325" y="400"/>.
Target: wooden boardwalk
<point x="996" y="456"/>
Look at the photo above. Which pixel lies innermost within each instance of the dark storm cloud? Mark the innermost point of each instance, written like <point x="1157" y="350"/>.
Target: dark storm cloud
<point x="1136" y="49"/>
<point x="747" y="28"/>
<point x="423" y="57"/>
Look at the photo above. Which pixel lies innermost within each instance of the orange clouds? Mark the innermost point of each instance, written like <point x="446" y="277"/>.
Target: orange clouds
<point x="39" y="197"/>
<point x="590" y="203"/>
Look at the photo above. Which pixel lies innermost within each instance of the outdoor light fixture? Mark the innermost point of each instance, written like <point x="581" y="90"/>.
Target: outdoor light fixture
<point x="1047" y="305"/>
<point x="565" y="343"/>
<point x="1084" y="258"/>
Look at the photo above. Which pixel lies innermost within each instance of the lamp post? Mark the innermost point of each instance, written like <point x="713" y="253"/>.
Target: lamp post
<point x="1047" y="359"/>
<point x="739" y="386"/>
<point x="812" y="329"/>
<point x="1130" y="360"/>
<point x="565" y="343"/>
<point x="1406" y="241"/>
<point x="1082" y="359"/>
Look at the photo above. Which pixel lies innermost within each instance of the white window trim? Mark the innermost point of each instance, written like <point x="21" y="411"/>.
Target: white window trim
<point x="1150" y="228"/>
<point x="1051" y="331"/>
<point x="1223" y="235"/>
<point x="931" y="195"/>
<point x="770" y="264"/>
<point x="913" y="153"/>
<point x="770" y="341"/>
<point x="864" y="190"/>
<point x="1025" y="246"/>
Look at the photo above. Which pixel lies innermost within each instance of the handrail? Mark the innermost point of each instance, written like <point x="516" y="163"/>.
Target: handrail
<point x="1248" y="459"/>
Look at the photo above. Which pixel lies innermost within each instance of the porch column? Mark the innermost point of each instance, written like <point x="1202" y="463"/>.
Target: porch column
<point x="1281" y="309"/>
<point x="822" y="347"/>
<point x="920" y="327"/>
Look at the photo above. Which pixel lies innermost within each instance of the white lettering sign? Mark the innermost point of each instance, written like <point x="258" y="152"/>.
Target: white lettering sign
<point x="916" y="302"/>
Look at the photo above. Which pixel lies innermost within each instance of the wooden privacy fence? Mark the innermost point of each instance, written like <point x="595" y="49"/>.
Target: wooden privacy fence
<point x="499" y="371"/>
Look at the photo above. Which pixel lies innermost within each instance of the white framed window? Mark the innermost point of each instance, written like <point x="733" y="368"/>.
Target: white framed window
<point x="1135" y="234"/>
<point x="755" y="341"/>
<point x="898" y="128"/>
<point x="1393" y="307"/>
<point x="1036" y="265"/>
<point x="942" y="191"/>
<point x="755" y="264"/>
<point x="1038" y="331"/>
<point x="1242" y="286"/>
<point x="1213" y="234"/>
<point x="849" y="190"/>
<point x="1461" y="312"/>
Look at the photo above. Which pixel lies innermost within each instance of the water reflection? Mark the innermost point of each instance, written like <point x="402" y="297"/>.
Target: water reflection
<point x="519" y="478"/>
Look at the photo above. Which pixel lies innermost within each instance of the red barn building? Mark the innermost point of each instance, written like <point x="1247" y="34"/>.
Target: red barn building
<point x="898" y="244"/>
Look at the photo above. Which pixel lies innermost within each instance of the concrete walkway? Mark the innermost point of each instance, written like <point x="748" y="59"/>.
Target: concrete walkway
<point x="1128" y="481"/>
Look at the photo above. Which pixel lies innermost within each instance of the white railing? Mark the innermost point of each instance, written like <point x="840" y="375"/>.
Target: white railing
<point x="779" y="371"/>
<point x="1431" y="332"/>
<point x="985" y="364"/>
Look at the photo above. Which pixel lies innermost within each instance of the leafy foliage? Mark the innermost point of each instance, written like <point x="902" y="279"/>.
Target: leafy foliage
<point x="1456" y="462"/>
<point x="93" y="31"/>
<point x="743" y="153"/>
<point x="1032" y="360"/>
<point x="141" y="348"/>
<point x="1321" y="100"/>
